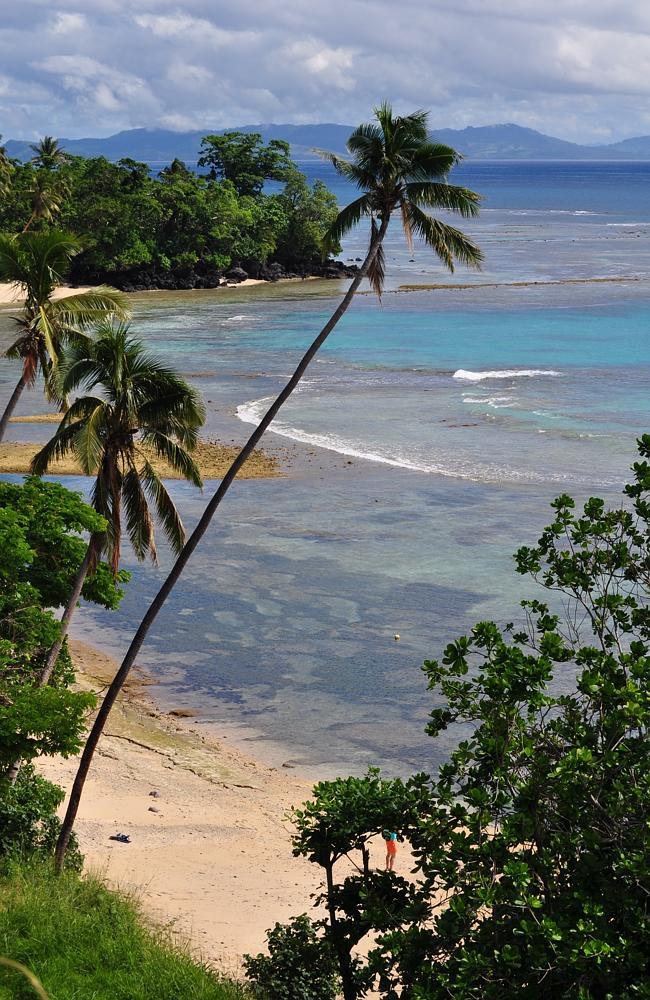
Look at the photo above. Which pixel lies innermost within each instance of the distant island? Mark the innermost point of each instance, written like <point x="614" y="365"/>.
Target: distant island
<point x="485" y="142"/>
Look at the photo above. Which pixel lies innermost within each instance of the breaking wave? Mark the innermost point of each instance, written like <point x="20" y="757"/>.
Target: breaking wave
<point x="470" y="376"/>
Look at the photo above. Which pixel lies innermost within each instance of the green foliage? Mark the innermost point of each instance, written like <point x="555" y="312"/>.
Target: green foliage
<point x="83" y="941"/>
<point x="339" y="821"/>
<point x="244" y="160"/>
<point x="299" y="966"/>
<point x="178" y="220"/>
<point x="531" y="844"/>
<point x="41" y="548"/>
<point x="310" y="214"/>
<point x="42" y="525"/>
<point x="28" y="821"/>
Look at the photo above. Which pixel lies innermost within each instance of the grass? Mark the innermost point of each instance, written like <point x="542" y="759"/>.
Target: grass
<point x="85" y="942"/>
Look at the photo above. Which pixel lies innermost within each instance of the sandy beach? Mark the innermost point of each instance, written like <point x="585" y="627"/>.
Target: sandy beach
<point x="213" y="460"/>
<point x="13" y="294"/>
<point x="210" y="852"/>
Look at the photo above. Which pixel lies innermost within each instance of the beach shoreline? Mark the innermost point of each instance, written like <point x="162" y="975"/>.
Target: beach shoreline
<point x="210" y="851"/>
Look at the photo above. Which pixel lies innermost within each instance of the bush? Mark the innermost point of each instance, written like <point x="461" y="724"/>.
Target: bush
<point x="299" y="966"/>
<point x="28" y="820"/>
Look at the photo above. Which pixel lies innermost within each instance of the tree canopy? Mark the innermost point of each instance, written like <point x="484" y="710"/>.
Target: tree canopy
<point x="178" y="221"/>
<point x="244" y="160"/>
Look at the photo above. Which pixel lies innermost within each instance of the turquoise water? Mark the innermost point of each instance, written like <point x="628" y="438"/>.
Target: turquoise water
<point x="462" y="413"/>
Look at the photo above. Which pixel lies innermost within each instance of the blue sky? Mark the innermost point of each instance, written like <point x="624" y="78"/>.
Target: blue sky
<point x="579" y="69"/>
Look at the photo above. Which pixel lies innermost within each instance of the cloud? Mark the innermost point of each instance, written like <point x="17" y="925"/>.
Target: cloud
<point x="575" y="68"/>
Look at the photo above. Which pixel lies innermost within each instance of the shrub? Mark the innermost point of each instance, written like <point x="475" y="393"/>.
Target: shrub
<point x="28" y="820"/>
<point x="300" y="964"/>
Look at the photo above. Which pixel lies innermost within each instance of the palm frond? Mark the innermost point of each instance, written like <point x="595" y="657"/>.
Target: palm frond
<point x="346" y="220"/>
<point x="351" y="171"/>
<point x="431" y="161"/>
<point x="165" y="508"/>
<point x="88" y="309"/>
<point x="81" y="409"/>
<point x="377" y="267"/>
<point x="450" y="197"/>
<point x="448" y="243"/>
<point x="90" y="441"/>
<point x="57" y="447"/>
<point x="139" y="523"/>
<point x="174" y="454"/>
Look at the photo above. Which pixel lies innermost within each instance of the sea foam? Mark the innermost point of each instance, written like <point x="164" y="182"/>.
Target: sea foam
<point x="442" y="465"/>
<point x="469" y="376"/>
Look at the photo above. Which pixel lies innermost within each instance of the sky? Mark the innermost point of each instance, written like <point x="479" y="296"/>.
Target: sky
<point x="577" y="69"/>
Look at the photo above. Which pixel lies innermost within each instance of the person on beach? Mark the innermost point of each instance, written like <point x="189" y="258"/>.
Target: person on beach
<point x="391" y="849"/>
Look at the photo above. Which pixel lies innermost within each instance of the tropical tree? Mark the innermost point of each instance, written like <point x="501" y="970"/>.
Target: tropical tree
<point x="145" y="411"/>
<point x="396" y="167"/>
<point x="37" y="263"/>
<point x="46" y="199"/>
<point x="243" y="159"/>
<point x="48" y="154"/>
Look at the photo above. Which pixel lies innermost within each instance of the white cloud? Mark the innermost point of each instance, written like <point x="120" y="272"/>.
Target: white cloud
<point x="578" y="68"/>
<point x="67" y="24"/>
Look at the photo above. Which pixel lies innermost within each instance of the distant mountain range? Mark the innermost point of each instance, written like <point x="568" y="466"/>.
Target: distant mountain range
<point x="485" y="142"/>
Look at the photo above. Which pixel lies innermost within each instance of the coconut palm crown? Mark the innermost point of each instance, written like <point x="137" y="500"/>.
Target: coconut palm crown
<point x="145" y="410"/>
<point x="36" y="263"/>
<point x="48" y="154"/>
<point x="397" y="167"/>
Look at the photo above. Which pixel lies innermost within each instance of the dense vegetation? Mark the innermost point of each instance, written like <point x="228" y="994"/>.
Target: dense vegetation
<point x="178" y="228"/>
<point x="531" y="845"/>
<point x="84" y="941"/>
<point x="42" y="527"/>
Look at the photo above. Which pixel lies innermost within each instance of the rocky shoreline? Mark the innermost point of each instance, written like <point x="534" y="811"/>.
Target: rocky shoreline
<point x="151" y="278"/>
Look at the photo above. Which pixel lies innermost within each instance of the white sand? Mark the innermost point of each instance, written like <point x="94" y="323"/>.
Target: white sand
<point x="12" y="294"/>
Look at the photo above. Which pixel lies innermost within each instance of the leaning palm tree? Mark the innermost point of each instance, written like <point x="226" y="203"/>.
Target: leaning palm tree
<point x="48" y="154"/>
<point x="37" y="263"/>
<point x="396" y="167"/>
<point x="143" y="411"/>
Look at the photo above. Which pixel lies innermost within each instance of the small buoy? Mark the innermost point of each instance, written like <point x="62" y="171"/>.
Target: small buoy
<point x="396" y="637"/>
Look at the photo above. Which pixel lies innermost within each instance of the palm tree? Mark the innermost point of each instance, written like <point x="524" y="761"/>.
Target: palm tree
<point x="144" y="410"/>
<point x="48" y="154"/>
<point x="46" y="199"/>
<point x="396" y="167"/>
<point x="37" y="263"/>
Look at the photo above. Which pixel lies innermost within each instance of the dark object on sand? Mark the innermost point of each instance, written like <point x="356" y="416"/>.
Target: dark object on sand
<point x="123" y="838"/>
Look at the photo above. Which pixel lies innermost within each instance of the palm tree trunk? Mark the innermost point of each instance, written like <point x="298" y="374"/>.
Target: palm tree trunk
<point x="11" y="405"/>
<point x="190" y="546"/>
<point x="87" y="564"/>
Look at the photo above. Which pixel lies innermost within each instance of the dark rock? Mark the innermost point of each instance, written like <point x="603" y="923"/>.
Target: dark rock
<point x="236" y="274"/>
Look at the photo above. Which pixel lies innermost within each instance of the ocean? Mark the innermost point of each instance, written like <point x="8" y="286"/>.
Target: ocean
<point x="437" y="426"/>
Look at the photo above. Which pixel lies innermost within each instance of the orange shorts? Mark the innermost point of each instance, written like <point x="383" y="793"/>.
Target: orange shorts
<point x="391" y="847"/>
